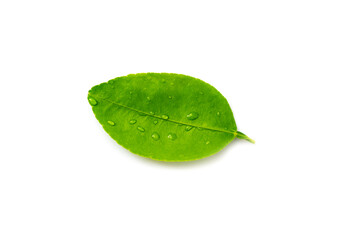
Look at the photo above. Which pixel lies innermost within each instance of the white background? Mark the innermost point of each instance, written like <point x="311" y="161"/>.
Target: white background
<point x="289" y="69"/>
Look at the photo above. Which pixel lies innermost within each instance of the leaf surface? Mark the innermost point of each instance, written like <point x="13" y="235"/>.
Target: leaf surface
<point x="163" y="116"/>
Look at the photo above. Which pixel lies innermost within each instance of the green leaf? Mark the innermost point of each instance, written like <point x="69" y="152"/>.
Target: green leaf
<point x="164" y="116"/>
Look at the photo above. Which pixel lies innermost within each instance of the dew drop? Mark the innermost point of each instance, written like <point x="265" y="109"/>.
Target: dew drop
<point x="151" y="113"/>
<point x="218" y="114"/>
<point x="148" y="98"/>
<point x="165" y="116"/>
<point x="208" y="142"/>
<point x="141" y="129"/>
<point x="155" y="122"/>
<point x="92" y="101"/>
<point x="172" y="136"/>
<point x="188" y="128"/>
<point x="170" y="97"/>
<point x="111" y="123"/>
<point x="133" y="121"/>
<point x="155" y="136"/>
<point x="192" y="116"/>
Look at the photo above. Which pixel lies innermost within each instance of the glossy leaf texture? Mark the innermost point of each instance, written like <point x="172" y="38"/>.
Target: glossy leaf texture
<point x="164" y="116"/>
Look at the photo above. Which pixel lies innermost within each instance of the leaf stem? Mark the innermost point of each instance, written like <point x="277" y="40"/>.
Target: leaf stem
<point x="244" y="136"/>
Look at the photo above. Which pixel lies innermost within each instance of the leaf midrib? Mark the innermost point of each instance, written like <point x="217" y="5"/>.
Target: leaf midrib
<point x="169" y="120"/>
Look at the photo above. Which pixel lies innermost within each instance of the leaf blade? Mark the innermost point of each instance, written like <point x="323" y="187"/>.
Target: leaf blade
<point x="176" y="102"/>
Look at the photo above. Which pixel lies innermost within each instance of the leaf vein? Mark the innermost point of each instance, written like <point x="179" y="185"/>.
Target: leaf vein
<point x="170" y="120"/>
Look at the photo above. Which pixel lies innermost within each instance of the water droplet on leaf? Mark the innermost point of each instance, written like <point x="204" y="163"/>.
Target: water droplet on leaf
<point x="218" y="114"/>
<point x="133" y="121"/>
<point x="111" y="123"/>
<point x="208" y="142"/>
<point x="172" y="136"/>
<point x="192" y="116"/>
<point x="155" y="136"/>
<point x="165" y="116"/>
<point x="155" y="122"/>
<point x="92" y="101"/>
<point x="141" y="129"/>
<point x="151" y="113"/>
<point x="188" y="128"/>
